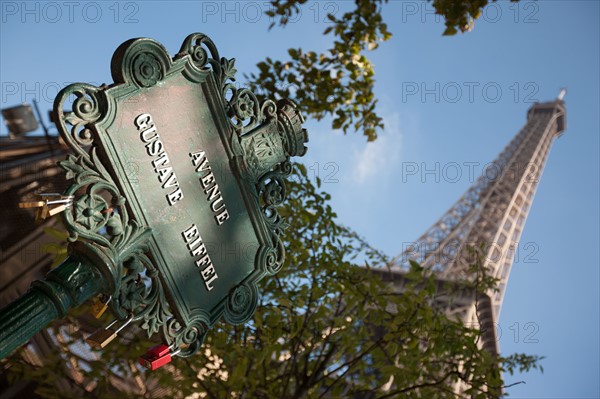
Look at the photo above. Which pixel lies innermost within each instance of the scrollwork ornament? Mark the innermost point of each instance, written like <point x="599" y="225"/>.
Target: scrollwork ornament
<point x="141" y="292"/>
<point x="203" y="54"/>
<point x="199" y="55"/>
<point x="188" y="338"/>
<point x="86" y="110"/>
<point x="271" y="189"/>
<point x="275" y="256"/>
<point x="268" y="109"/>
<point x="285" y="168"/>
<point x="241" y="303"/>
<point x="86" y="106"/>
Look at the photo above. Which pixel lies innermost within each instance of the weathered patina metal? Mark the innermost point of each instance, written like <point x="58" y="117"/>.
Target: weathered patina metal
<point x="176" y="176"/>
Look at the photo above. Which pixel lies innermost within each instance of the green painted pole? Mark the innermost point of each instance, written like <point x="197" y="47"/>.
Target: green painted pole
<point x="66" y="286"/>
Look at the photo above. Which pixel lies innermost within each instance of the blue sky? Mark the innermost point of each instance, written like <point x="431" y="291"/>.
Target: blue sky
<point x="517" y="54"/>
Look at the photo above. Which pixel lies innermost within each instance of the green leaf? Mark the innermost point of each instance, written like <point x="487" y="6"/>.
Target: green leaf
<point x="450" y="31"/>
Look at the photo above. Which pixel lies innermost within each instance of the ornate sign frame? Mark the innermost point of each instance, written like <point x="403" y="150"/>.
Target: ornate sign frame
<point x="113" y="221"/>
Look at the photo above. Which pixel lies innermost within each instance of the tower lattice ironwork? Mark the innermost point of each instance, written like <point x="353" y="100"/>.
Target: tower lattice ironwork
<point x="492" y="212"/>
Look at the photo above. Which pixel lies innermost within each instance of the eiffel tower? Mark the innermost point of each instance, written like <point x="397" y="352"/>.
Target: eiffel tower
<point x="492" y="212"/>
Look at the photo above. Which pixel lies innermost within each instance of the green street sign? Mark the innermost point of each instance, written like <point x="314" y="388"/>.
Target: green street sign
<point x="176" y="178"/>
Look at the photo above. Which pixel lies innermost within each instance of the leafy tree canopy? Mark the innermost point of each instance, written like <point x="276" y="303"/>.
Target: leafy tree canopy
<point x="339" y="82"/>
<point x="326" y="327"/>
